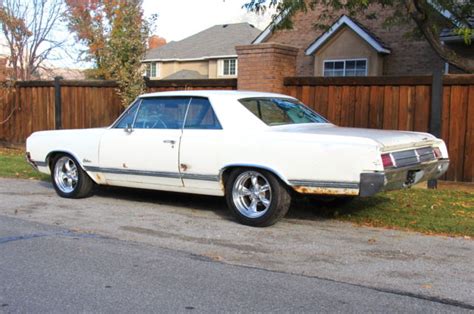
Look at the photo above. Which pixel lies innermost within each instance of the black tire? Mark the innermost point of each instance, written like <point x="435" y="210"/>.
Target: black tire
<point x="81" y="187"/>
<point x="277" y="197"/>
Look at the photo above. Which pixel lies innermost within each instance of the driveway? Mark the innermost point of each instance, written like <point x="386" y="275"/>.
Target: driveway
<point x="434" y="268"/>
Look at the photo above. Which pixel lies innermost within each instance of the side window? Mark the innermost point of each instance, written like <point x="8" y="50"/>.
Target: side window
<point x="161" y="113"/>
<point x="201" y="116"/>
<point x="129" y="116"/>
<point x="267" y="111"/>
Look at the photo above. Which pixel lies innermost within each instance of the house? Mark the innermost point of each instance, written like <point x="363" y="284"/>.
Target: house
<point x="355" y="47"/>
<point x="206" y="55"/>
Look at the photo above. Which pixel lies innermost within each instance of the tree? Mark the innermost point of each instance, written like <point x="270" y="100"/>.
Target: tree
<point x="430" y="17"/>
<point x="115" y="34"/>
<point x="28" y="27"/>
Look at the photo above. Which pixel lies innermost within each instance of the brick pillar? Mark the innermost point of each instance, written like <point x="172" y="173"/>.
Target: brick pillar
<point x="263" y="67"/>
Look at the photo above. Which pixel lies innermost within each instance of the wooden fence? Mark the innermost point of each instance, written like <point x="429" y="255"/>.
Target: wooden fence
<point x="47" y="105"/>
<point x="398" y="103"/>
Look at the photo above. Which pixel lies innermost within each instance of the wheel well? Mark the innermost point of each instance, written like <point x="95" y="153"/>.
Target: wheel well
<point x="49" y="159"/>
<point x="51" y="156"/>
<point x="228" y="170"/>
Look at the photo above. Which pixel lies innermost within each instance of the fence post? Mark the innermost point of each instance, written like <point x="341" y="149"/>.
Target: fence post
<point x="57" y="103"/>
<point x="436" y="106"/>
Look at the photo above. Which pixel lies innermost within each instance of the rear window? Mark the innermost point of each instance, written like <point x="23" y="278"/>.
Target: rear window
<point x="280" y="111"/>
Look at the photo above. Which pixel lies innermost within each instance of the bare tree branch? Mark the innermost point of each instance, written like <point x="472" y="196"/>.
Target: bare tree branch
<point x="28" y="26"/>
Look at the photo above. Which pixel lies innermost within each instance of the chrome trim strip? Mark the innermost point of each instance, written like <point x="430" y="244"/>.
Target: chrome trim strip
<point x="135" y="172"/>
<point x="325" y="184"/>
<point x="40" y="163"/>
<point x="418" y="166"/>
<point x="162" y="174"/>
<point x="202" y="177"/>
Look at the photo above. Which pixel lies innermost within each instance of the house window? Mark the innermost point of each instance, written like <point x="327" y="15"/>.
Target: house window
<point x="152" y="69"/>
<point x="228" y="67"/>
<point x="355" y="67"/>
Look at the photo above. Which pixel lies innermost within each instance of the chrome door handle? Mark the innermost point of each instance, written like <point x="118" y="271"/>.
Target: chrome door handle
<point x="172" y="142"/>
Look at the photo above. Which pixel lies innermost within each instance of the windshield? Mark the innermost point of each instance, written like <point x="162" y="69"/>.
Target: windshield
<point x="280" y="111"/>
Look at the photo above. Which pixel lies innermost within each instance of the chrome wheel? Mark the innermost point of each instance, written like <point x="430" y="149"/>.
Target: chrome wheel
<point x="66" y="174"/>
<point x="252" y="194"/>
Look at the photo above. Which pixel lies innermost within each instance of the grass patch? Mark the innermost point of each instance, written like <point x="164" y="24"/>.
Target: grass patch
<point x="14" y="165"/>
<point x="445" y="212"/>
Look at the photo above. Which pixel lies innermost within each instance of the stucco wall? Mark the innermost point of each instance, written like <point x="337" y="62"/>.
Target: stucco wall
<point x="346" y="44"/>
<point x="168" y="68"/>
<point x="209" y="68"/>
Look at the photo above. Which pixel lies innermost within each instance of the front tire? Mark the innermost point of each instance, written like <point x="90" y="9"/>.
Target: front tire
<point x="256" y="197"/>
<point x="69" y="180"/>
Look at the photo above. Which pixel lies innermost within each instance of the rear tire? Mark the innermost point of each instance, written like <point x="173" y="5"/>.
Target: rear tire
<point x="69" y="180"/>
<point x="256" y="197"/>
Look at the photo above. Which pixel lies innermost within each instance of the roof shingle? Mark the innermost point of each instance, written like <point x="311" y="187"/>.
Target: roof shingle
<point x="219" y="40"/>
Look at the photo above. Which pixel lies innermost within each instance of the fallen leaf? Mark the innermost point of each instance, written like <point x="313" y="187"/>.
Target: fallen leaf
<point x="427" y="286"/>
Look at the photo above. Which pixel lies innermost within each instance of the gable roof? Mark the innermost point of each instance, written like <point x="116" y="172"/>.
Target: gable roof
<point x="360" y="30"/>
<point x="263" y="36"/>
<point x="215" y="42"/>
<point x="449" y="34"/>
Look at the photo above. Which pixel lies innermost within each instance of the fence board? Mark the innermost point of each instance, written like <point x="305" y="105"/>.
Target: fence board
<point x="457" y="132"/>
<point x="468" y="173"/>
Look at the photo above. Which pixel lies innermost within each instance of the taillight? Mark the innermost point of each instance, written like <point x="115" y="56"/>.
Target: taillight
<point x="437" y="152"/>
<point x="387" y="161"/>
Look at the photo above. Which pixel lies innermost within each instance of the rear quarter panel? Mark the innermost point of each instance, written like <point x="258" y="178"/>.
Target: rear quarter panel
<point x="304" y="156"/>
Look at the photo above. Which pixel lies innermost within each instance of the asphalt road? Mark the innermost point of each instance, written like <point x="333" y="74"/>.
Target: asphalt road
<point x="50" y="269"/>
<point x="127" y="250"/>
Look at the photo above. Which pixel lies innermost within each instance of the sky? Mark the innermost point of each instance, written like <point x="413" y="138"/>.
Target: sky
<point x="177" y="19"/>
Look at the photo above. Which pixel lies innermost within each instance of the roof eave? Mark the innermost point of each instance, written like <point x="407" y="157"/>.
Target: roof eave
<point x="263" y="36"/>
<point x="346" y="21"/>
<point x="188" y="59"/>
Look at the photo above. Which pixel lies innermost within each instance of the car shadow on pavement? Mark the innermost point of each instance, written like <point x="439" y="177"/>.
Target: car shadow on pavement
<point x="200" y="202"/>
<point x="319" y="209"/>
<point x="302" y="208"/>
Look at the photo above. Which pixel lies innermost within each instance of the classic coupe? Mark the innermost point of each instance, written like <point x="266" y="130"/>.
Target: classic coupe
<point x="256" y="149"/>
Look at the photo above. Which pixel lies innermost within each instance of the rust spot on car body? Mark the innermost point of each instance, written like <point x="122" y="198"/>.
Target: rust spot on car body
<point x="324" y="191"/>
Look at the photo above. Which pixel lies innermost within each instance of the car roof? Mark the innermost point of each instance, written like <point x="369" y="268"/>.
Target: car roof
<point x="231" y="117"/>
<point x="221" y="93"/>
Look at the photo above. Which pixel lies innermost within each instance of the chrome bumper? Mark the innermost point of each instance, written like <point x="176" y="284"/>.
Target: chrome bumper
<point x="399" y="178"/>
<point x="30" y="161"/>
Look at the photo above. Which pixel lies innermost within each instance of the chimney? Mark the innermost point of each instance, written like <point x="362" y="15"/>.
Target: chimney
<point x="156" y="41"/>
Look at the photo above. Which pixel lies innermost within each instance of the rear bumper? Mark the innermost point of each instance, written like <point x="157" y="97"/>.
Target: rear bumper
<point x="399" y="178"/>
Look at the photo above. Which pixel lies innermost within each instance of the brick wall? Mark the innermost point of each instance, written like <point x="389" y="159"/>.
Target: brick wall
<point x="263" y="67"/>
<point x="408" y="56"/>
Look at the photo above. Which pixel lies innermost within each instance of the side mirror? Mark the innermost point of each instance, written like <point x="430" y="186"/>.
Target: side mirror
<point x="128" y="129"/>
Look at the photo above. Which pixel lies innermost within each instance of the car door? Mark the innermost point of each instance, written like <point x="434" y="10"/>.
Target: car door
<point x="142" y="149"/>
<point x="201" y="143"/>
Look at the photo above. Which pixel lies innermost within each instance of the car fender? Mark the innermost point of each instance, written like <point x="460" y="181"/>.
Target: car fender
<point x="251" y="165"/>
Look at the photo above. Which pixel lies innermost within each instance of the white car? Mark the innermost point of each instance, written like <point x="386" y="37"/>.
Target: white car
<point x="256" y="149"/>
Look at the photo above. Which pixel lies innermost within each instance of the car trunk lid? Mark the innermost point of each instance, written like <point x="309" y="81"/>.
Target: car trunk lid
<point x="388" y="140"/>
